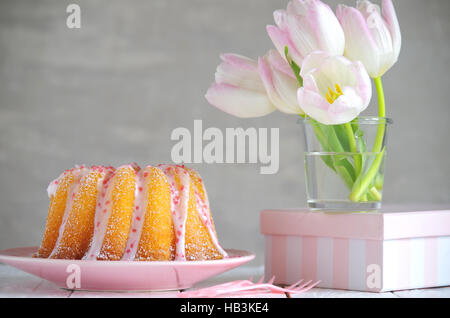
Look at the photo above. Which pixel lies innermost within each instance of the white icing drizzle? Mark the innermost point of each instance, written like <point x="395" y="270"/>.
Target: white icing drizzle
<point x="138" y="215"/>
<point x="102" y="213"/>
<point x="53" y="186"/>
<point x="179" y="206"/>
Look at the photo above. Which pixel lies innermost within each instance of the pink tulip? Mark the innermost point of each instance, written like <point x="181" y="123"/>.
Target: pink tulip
<point x="280" y="82"/>
<point x="371" y="37"/>
<point x="335" y="89"/>
<point x="238" y="88"/>
<point x="306" y="26"/>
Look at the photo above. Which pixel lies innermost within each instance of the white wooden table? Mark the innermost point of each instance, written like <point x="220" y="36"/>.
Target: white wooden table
<point x="15" y="283"/>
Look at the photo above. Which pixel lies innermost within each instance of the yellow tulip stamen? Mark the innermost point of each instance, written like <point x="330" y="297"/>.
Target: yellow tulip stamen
<point x="331" y="96"/>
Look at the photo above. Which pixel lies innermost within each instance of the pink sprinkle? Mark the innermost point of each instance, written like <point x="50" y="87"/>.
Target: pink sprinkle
<point x="134" y="230"/>
<point x="56" y="181"/>
<point x="145" y="174"/>
<point x="98" y="224"/>
<point x="107" y="202"/>
<point x="137" y="207"/>
<point x="128" y="251"/>
<point x="138" y="218"/>
<point x="179" y="233"/>
<point x="182" y="187"/>
<point x="131" y="245"/>
<point x="99" y="204"/>
<point x="140" y="189"/>
<point x="104" y="211"/>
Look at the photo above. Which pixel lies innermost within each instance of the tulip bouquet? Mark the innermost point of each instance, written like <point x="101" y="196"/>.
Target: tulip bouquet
<point x="321" y="70"/>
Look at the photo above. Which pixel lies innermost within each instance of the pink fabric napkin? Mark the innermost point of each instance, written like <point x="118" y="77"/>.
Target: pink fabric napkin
<point x="245" y="288"/>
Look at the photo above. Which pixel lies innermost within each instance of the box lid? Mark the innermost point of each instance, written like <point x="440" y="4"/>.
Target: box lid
<point x="389" y="223"/>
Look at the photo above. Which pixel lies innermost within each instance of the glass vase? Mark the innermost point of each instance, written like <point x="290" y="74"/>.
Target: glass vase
<point x="344" y="164"/>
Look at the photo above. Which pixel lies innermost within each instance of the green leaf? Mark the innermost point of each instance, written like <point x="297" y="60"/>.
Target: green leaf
<point x="342" y="137"/>
<point x="295" y="68"/>
<point x="329" y="141"/>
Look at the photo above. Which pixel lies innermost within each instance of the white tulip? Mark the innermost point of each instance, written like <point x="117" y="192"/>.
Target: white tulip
<point x="335" y="90"/>
<point x="304" y="27"/>
<point x="371" y="36"/>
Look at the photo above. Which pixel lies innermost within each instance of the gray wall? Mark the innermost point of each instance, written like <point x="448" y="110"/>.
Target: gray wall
<point x="113" y="91"/>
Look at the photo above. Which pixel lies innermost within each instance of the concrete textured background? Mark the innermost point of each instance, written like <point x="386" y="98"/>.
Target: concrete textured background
<point x="113" y="91"/>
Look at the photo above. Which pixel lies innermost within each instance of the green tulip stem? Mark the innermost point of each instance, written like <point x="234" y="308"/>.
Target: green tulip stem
<point x="360" y="187"/>
<point x="353" y="147"/>
<point x="378" y="144"/>
<point x="362" y="184"/>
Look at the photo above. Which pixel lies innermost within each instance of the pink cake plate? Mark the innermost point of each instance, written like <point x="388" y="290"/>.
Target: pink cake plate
<point x="121" y="275"/>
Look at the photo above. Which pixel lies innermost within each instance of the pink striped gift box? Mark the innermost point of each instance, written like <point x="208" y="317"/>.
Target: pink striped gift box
<point x="375" y="251"/>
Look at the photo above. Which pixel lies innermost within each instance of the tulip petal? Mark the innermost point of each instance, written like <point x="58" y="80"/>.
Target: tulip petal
<point x="301" y="32"/>
<point x="279" y="63"/>
<point x="343" y="110"/>
<point x="371" y="37"/>
<point x="239" y="102"/>
<point x="307" y="26"/>
<point x="280" y="88"/>
<point x="239" y="61"/>
<point x="280" y="40"/>
<point x="312" y="61"/>
<point x="279" y="16"/>
<point x="363" y="83"/>
<point x="330" y="71"/>
<point x="359" y="43"/>
<point x="346" y="108"/>
<point x="314" y="105"/>
<point x="379" y="30"/>
<point x="390" y="17"/>
<point x="239" y="71"/>
<point x="313" y="26"/>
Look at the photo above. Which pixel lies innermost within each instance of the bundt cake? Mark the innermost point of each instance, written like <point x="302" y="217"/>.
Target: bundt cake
<point x="129" y="213"/>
